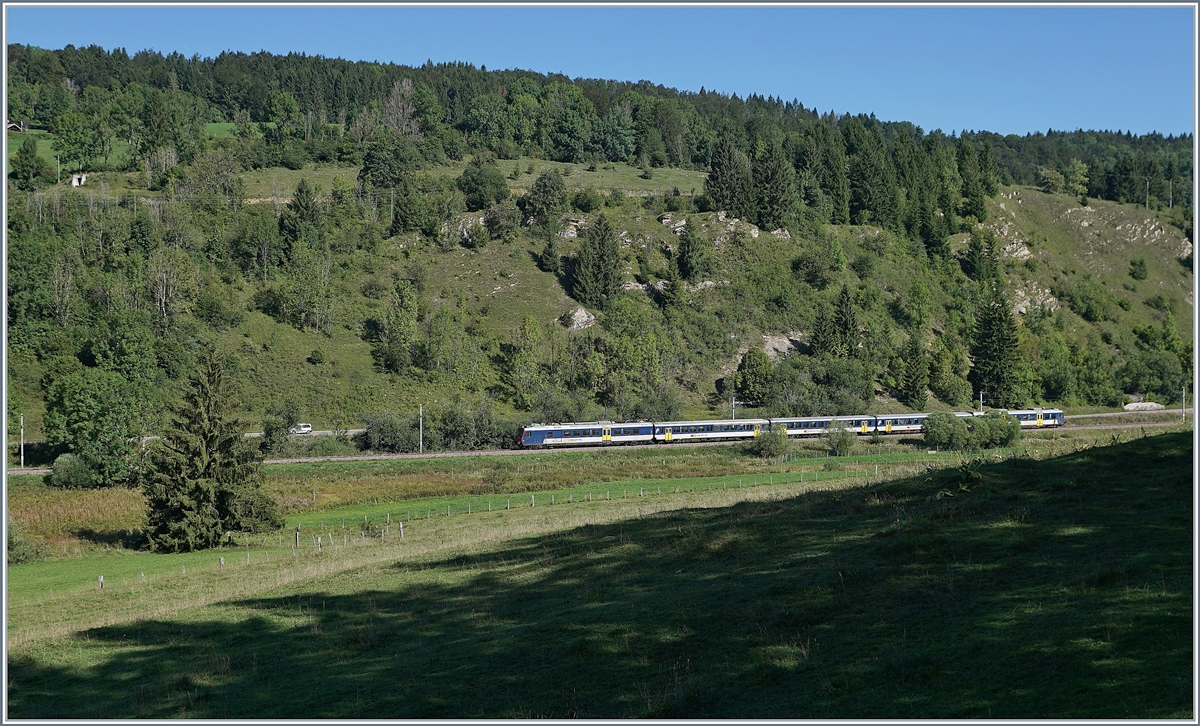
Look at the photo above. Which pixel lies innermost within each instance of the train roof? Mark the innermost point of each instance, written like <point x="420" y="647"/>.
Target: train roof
<point x="706" y="422"/>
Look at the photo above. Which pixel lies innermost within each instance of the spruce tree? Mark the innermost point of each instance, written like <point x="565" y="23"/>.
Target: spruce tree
<point x="871" y="177"/>
<point x="972" y="184"/>
<point x="989" y="174"/>
<point x="206" y="476"/>
<point x="774" y="187"/>
<point x="673" y="291"/>
<point x="598" y="275"/>
<point x="26" y="166"/>
<point x="693" y="253"/>
<point x="845" y="325"/>
<point x="981" y="264"/>
<point x="824" y="339"/>
<point x="729" y="184"/>
<point x="915" y="382"/>
<point x="550" y="260"/>
<point x="995" y="352"/>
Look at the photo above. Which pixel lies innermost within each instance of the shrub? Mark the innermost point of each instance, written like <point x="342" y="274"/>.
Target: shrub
<point x="840" y="441"/>
<point x="20" y="547"/>
<point x="945" y="431"/>
<point x="316" y="357"/>
<point x="1137" y="269"/>
<point x="391" y="433"/>
<point x="993" y="430"/>
<point x="587" y="200"/>
<point x="71" y="472"/>
<point x="770" y="444"/>
<point x="292" y="158"/>
<point x="502" y="221"/>
<point x="476" y="236"/>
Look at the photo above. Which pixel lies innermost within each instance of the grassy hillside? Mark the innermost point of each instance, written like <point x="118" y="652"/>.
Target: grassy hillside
<point x="1051" y="245"/>
<point x="1053" y="588"/>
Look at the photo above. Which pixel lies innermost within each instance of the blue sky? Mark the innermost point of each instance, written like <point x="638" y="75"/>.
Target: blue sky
<point x="1009" y="70"/>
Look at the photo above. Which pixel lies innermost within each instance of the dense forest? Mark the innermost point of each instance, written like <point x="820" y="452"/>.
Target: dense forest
<point x="879" y="240"/>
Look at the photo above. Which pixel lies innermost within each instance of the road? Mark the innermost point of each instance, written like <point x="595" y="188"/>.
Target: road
<point x="517" y="452"/>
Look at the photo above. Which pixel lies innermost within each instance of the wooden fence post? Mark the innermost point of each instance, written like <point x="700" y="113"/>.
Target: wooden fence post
<point x="100" y="583"/>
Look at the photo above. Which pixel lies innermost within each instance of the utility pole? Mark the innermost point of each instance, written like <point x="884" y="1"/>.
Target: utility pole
<point x="22" y="441"/>
<point x="1147" y="192"/>
<point x="1182" y="410"/>
<point x="733" y="402"/>
<point x="1171" y="193"/>
<point x="981" y="400"/>
<point x="421" y="431"/>
<point x="59" y="160"/>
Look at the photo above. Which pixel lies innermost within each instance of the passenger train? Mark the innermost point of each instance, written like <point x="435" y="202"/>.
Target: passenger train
<point x="607" y="433"/>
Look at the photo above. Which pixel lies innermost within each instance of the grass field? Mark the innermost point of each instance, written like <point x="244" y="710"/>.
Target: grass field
<point x="1025" y="588"/>
<point x="103" y="522"/>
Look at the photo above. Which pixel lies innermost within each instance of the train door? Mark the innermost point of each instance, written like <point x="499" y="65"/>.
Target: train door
<point x="606" y="434"/>
<point x="757" y="429"/>
<point x="667" y="434"/>
<point x="888" y="426"/>
<point x="864" y="426"/>
<point x="1039" y="418"/>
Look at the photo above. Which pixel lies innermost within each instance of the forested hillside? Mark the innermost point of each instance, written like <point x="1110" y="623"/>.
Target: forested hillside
<point x="509" y="246"/>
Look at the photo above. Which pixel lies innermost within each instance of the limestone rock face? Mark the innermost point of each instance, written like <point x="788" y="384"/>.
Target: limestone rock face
<point x="578" y="319"/>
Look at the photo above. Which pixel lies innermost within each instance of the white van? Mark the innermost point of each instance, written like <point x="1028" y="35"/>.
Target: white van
<point x="301" y="429"/>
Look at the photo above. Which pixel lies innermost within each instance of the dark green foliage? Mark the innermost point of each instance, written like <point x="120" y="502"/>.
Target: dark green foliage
<point x="973" y="203"/>
<point x="26" y="167"/>
<point x="729" y="184"/>
<point x="1137" y="269"/>
<point x="389" y="159"/>
<point x="774" y="181"/>
<point x="846" y="335"/>
<point x="754" y="374"/>
<point x="916" y="375"/>
<point x="947" y="376"/>
<point x="994" y="350"/>
<point x="945" y="431"/>
<point x="598" y="273"/>
<point x="587" y="200"/>
<point x="820" y="386"/>
<point x="482" y="184"/>
<point x="413" y="211"/>
<point x="546" y="197"/>
<point x="870" y="175"/>
<point x="673" y="292"/>
<point x="769" y="444"/>
<point x="503" y="221"/>
<point x="981" y="263"/>
<point x="839" y="441"/>
<point x="301" y="213"/>
<point x="695" y="253"/>
<point x="277" y="421"/>
<point x="206" y="477"/>
<point x="1087" y="298"/>
<point x="550" y="260"/>
<point x="71" y="472"/>
<point x="391" y="433"/>
<point x="98" y="415"/>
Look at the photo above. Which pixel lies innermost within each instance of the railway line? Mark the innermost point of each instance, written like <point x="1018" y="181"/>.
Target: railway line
<point x="13" y="471"/>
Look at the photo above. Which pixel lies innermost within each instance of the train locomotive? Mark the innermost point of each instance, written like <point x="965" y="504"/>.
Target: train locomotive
<point x="608" y="433"/>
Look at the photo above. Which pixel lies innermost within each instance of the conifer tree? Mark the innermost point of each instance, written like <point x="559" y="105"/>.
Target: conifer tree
<point x="995" y="353"/>
<point x="26" y="166"/>
<point x="824" y="340"/>
<point x="774" y="187"/>
<point x="206" y="476"/>
<point x="693" y="256"/>
<point x="915" y="382"/>
<point x="972" y="184"/>
<point x="550" y="260"/>
<point x="981" y="263"/>
<point x="845" y="325"/>
<point x="598" y="276"/>
<point x="870" y="175"/>
<point x="729" y="184"/>
<point x="989" y="174"/>
<point x="753" y="377"/>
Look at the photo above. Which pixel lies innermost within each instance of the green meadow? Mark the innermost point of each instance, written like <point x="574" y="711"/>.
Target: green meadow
<point x="1052" y="586"/>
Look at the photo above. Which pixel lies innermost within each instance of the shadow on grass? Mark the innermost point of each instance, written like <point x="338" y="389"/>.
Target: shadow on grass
<point x="1058" y="588"/>
<point x="124" y="538"/>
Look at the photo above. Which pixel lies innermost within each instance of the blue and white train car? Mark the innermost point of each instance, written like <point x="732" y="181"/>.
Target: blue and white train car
<point x="900" y="423"/>
<point x="857" y="424"/>
<point x="709" y="430"/>
<point x="586" y="433"/>
<point x="1032" y="418"/>
<point x="803" y="426"/>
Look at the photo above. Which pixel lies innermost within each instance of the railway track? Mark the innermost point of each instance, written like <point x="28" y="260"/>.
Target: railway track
<point x="524" y="452"/>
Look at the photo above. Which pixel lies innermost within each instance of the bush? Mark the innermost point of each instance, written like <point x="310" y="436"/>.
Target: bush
<point x="770" y="444"/>
<point x="587" y="200"/>
<point x="476" y="236"/>
<point x="993" y="430"/>
<point x="20" y="547"/>
<point x="945" y="431"/>
<point x="502" y="221"/>
<point x="391" y="433"/>
<point x="482" y="184"/>
<point x="840" y="441"/>
<point x="71" y="472"/>
<point x="293" y="159"/>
